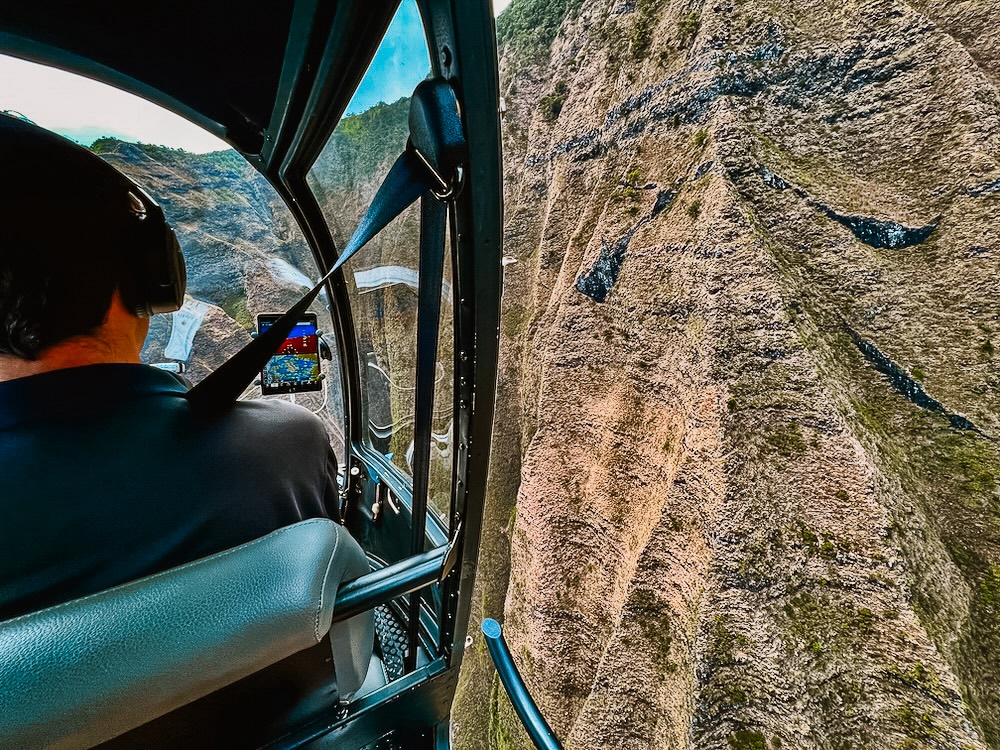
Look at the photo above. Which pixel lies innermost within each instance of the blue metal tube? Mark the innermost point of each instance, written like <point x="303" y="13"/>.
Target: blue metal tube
<point x="536" y="726"/>
<point x="380" y="586"/>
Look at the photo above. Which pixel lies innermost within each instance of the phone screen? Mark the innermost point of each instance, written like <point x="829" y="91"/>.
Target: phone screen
<point x="295" y="368"/>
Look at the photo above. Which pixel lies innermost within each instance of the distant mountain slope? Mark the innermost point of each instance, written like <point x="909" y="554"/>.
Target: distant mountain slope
<point x="749" y="397"/>
<point x="350" y="170"/>
<point x="231" y="226"/>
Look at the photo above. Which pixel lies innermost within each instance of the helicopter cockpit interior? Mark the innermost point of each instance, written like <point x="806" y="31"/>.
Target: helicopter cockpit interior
<point x="375" y="127"/>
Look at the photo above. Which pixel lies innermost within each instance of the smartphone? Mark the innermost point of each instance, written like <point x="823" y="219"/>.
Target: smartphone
<point x="295" y="368"/>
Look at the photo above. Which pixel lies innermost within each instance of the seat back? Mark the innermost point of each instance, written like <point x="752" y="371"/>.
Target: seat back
<point x="83" y="672"/>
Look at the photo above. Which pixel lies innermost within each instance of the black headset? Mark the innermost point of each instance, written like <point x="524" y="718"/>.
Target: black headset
<point x="154" y="277"/>
<point x="158" y="275"/>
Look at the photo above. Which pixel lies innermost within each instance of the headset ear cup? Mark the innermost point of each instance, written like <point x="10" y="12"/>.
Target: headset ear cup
<point x="131" y="284"/>
<point x="182" y="271"/>
<point x="160" y="274"/>
<point x="170" y="295"/>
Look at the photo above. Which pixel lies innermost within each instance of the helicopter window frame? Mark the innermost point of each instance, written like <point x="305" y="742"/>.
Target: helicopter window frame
<point x="315" y="178"/>
<point x="381" y="282"/>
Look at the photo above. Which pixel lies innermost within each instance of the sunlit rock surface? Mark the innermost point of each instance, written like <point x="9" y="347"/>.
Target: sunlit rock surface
<point x="744" y="478"/>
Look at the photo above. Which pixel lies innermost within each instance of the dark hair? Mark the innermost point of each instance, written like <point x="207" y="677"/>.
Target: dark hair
<point x="64" y="233"/>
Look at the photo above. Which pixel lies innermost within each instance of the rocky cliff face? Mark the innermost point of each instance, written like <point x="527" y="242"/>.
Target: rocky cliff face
<point x="244" y="253"/>
<point x="749" y="397"/>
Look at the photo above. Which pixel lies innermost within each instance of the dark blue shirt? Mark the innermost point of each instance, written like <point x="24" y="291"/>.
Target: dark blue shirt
<point x="106" y="476"/>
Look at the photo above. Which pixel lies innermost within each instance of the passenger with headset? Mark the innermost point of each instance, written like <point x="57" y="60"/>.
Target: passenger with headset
<point x="107" y="474"/>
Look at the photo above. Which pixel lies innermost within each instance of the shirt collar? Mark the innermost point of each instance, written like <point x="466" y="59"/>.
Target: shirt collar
<point x="69" y="389"/>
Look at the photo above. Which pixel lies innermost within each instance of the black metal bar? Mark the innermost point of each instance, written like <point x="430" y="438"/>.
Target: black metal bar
<point x="381" y="586"/>
<point x="463" y="44"/>
<point x="539" y="731"/>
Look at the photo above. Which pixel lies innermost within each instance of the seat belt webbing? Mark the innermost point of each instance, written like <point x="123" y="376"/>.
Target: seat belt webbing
<point x="433" y="217"/>
<point x="407" y="180"/>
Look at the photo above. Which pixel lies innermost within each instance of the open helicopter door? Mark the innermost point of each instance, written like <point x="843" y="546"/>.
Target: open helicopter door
<point x="404" y="448"/>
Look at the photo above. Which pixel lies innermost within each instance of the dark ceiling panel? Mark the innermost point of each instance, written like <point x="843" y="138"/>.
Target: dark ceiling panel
<point x="222" y="60"/>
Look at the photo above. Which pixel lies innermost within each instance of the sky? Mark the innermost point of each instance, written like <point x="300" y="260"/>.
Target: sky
<point x="85" y="110"/>
<point x="400" y="63"/>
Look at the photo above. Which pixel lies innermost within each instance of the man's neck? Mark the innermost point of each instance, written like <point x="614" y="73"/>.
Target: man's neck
<point x="77" y="352"/>
<point x="118" y="340"/>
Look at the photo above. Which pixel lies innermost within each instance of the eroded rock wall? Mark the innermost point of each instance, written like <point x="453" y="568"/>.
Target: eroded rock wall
<point x="750" y="384"/>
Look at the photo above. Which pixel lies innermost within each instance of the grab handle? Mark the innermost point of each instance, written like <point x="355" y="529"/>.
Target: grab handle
<point x="536" y="726"/>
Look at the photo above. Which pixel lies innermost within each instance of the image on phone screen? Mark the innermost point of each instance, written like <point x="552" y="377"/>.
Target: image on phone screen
<point x="295" y="367"/>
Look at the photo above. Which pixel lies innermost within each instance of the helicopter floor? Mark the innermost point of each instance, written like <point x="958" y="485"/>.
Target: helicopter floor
<point x="391" y="639"/>
<point x="386" y="663"/>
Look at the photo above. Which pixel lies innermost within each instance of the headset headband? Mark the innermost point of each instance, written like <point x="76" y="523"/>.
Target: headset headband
<point x="36" y="162"/>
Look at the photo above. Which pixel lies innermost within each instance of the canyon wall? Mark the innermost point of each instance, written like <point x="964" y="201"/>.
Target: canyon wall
<point x="244" y="251"/>
<point x="744" y="482"/>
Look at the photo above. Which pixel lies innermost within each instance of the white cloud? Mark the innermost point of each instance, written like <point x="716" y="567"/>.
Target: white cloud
<point x="499" y="6"/>
<point x="83" y="109"/>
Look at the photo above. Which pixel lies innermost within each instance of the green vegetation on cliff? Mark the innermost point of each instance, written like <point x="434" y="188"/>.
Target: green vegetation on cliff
<point x="362" y="147"/>
<point x="530" y="26"/>
<point x="227" y="159"/>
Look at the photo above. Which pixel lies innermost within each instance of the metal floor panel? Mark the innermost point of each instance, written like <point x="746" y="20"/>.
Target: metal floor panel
<point x="391" y="642"/>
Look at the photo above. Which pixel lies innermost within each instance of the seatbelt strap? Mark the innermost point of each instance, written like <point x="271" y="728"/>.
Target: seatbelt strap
<point x="432" y="162"/>
<point x="408" y="179"/>
<point x="433" y="217"/>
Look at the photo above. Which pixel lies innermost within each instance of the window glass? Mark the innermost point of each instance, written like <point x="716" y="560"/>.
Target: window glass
<point x="383" y="278"/>
<point x="245" y="256"/>
<point x="244" y="252"/>
<point x="442" y="427"/>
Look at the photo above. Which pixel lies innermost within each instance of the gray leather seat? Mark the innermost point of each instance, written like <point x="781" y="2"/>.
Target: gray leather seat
<point x="83" y="672"/>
